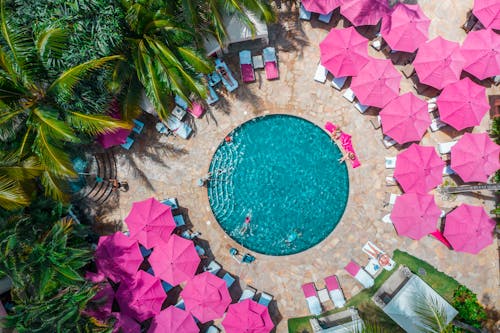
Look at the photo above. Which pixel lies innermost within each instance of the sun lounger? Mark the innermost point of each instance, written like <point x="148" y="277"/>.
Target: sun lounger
<point x="212" y="329"/>
<point x="338" y="82"/>
<point x="248" y="293"/>
<point x="213" y="79"/>
<point x="265" y="299"/>
<point x="178" y="127"/>
<point x="246" y="67"/>
<point x="496" y="80"/>
<point x="448" y="171"/>
<point x="390" y="181"/>
<point x="445" y="147"/>
<point x="390" y="162"/>
<point x="304" y="14"/>
<point x="325" y="18"/>
<point x="359" y="274"/>
<point x="388" y="141"/>
<point x="366" y="249"/>
<point x="166" y="286"/>
<point x="162" y="129"/>
<point x="336" y="294"/>
<point x="196" y="110"/>
<point x="229" y="279"/>
<point x="179" y="220"/>
<point x="145" y="252"/>
<point x="392" y="199"/>
<point x="377" y="42"/>
<point x="180" y="304"/>
<point x="181" y="102"/>
<point x="321" y="73"/>
<point x="128" y="143"/>
<point x="213" y="267"/>
<point x="387" y="219"/>
<point x="312" y="298"/>
<point x="212" y="96"/>
<point x="270" y="63"/>
<point x="172" y="202"/>
<point x="437" y="124"/>
<point x="349" y="95"/>
<point x="227" y="80"/>
<point x="361" y="107"/>
<point x="138" y="126"/>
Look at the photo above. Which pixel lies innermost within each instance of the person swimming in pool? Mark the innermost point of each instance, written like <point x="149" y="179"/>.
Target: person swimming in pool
<point x="293" y="236"/>
<point x="246" y="224"/>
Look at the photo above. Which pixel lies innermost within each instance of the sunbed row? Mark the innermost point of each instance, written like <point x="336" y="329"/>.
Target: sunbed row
<point x="267" y="60"/>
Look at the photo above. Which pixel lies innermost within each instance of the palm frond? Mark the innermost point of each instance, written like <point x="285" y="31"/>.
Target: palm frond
<point x="131" y="101"/>
<point x="190" y="12"/>
<point x="19" y="170"/>
<point x="12" y="195"/>
<point x="53" y="186"/>
<point x="166" y="26"/>
<point x="430" y="313"/>
<point x="52" y="157"/>
<point x="199" y="63"/>
<point x="9" y="121"/>
<point x="50" y="43"/>
<point x="217" y="21"/>
<point x="93" y="124"/>
<point x="262" y="8"/>
<point x="54" y="127"/>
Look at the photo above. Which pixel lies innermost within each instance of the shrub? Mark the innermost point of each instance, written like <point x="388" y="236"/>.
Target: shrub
<point x="469" y="310"/>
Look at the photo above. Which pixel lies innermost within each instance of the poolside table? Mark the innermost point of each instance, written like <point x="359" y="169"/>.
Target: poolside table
<point x="258" y="62"/>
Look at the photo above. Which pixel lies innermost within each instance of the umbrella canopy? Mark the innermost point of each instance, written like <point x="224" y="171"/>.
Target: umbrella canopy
<point x="415" y="215"/>
<point x="406" y="28"/>
<point x="206" y="297"/>
<point x="364" y="12"/>
<point x="114" y="138"/>
<point x="141" y="297"/>
<point x="439" y="62"/>
<point x="118" y="257"/>
<point x="175" y="261"/>
<point x="344" y="52"/>
<point x="463" y="104"/>
<point x="469" y="229"/>
<point x="405" y="118"/>
<point x="475" y="157"/>
<point x="488" y="12"/>
<point x="377" y="84"/>
<point x="481" y="50"/>
<point x="173" y="320"/>
<point x="125" y="324"/>
<point x="321" y="6"/>
<point x="150" y="222"/>
<point x="247" y="316"/>
<point x="419" y="169"/>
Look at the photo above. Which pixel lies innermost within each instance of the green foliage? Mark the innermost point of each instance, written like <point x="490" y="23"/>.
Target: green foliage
<point x="469" y="309"/>
<point x="495" y="129"/>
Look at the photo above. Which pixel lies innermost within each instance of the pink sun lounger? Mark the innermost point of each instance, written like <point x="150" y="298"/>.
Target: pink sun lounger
<point x="359" y="274"/>
<point x="345" y="140"/>
<point x="336" y="294"/>
<point x="312" y="298"/>
<point x="271" y="63"/>
<point x="196" y="110"/>
<point x="246" y="67"/>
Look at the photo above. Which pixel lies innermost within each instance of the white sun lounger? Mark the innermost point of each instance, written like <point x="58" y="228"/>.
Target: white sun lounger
<point x="388" y="141"/>
<point x="325" y="18"/>
<point x="265" y="299"/>
<point x="178" y="127"/>
<point x="366" y="249"/>
<point x="448" y="171"/>
<point x="361" y="107"/>
<point x="387" y="219"/>
<point x="392" y="198"/>
<point x="338" y="82"/>
<point x="349" y="95"/>
<point x="312" y="298"/>
<point x="304" y="14"/>
<point x="445" y="147"/>
<point x="390" y="162"/>
<point x="213" y="267"/>
<point x="359" y="274"/>
<point x="248" y="293"/>
<point x="437" y="124"/>
<point x="336" y="294"/>
<point x="321" y="73"/>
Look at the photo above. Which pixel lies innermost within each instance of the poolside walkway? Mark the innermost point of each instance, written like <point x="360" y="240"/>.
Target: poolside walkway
<point x="163" y="167"/>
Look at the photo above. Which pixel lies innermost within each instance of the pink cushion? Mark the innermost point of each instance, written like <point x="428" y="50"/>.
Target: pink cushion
<point x="196" y="110"/>
<point x="332" y="283"/>
<point x="271" y="70"/>
<point x="247" y="73"/>
<point x="352" y="268"/>
<point x="309" y="289"/>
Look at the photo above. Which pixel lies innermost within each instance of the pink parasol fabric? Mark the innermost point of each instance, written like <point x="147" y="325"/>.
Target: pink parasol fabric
<point x="481" y="50"/>
<point x="475" y="157"/>
<point x="100" y="305"/>
<point x="463" y="104"/>
<point x="173" y="320"/>
<point x="419" y="169"/>
<point x="364" y="12"/>
<point x="439" y="62"/>
<point x="125" y="324"/>
<point x="469" y="229"/>
<point x="118" y="257"/>
<point x="377" y="84"/>
<point x="488" y="12"/>
<point x="344" y="52"/>
<point x="406" y="28"/>
<point x="206" y="297"/>
<point x="175" y="261"/>
<point x="247" y="316"/>
<point x="118" y="136"/>
<point x="141" y="297"/>
<point x="405" y="118"/>
<point x="415" y="215"/>
<point x="150" y="222"/>
<point x="321" y="6"/>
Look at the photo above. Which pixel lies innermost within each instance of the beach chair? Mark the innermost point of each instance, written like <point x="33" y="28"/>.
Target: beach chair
<point x="367" y="248"/>
<point x="180" y="304"/>
<point x="265" y="299"/>
<point x="349" y="95"/>
<point x="138" y="126"/>
<point x="390" y="181"/>
<point x="312" y="298"/>
<point x="166" y="286"/>
<point x="325" y="18"/>
<point x="377" y="42"/>
<point x="321" y="73"/>
<point x="248" y="293"/>
<point x="361" y="107"/>
<point x="196" y="110"/>
<point x="445" y="147"/>
<point x="213" y="267"/>
<point x="229" y="279"/>
<point x="179" y="220"/>
<point x="212" y="329"/>
<point x="227" y="80"/>
<point x="304" y="14"/>
<point x="214" y="79"/>
<point x="336" y="294"/>
<point x="436" y="124"/>
<point x="392" y="199"/>
<point x="359" y="274"/>
<point x="145" y="252"/>
<point x="181" y="102"/>
<point x="390" y="162"/>
<point x="162" y="129"/>
<point x="270" y="63"/>
<point x="388" y="141"/>
<point x="128" y="143"/>
<point x="387" y="219"/>
<point x="246" y="67"/>
<point x="212" y="96"/>
<point x="338" y="82"/>
<point x="178" y="127"/>
<point x="448" y="171"/>
<point x="172" y="202"/>
<point x="200" y="250"/>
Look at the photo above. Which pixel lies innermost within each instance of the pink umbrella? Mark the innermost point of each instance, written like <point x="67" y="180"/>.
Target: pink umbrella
<point x="481" y="50"/>
<point x="364" y="12"/>
<point x="117" y="256"/>
<point x="173" y="320"/>
<point x="247" y="316"/>
<point x="406" y="28"/>
<point x="150" y="222"/>
<point x="321" y="6"/>
<point x="175" y="261"/>
<point x="100" y="305"/>
<point x="344" y="52"/>
<point x="463" y="104"/>
<point x="116" y="137"/>
<point x="439" y="62"/>
<point x="405" y="118"/>
<point x="469" y="229"/>
<point x="419" y="169"/>
<point x="206" y="297"/>
<point x="488" y="12"/>
<point x="415" y="215"/>
<point x="141" y="297"/>
<point x="125" y="324"/>
<point x="475" y="157"/>
<point x="377" y="84"/>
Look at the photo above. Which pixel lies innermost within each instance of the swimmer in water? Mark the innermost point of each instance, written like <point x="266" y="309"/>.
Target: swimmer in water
<point x="245" y="225"/>
<point x="292" y="237"/>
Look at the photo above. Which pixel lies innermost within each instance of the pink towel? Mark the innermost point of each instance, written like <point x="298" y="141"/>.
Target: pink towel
<point x="439" y="236"/>
<point x="332" y="283"/>
<point x="196" y="110"/>
<point x="352" y="268"/>
<point x="330" y="127"/>
<point x="247" y="73"/>
<point x="309" y="289"/>
<point x="272" y="70"/>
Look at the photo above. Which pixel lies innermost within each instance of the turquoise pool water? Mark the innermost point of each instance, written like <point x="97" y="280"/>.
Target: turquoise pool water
<point x="282" y="172"/>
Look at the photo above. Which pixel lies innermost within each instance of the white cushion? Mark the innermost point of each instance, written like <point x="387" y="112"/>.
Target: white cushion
<point x="321" y="73"/>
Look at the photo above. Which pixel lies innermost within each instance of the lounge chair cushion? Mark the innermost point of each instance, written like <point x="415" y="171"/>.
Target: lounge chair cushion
<point x="212" y="96"/>
<point x="338" y="82"/>
<point x="196" y="110"/>
<point x="248" y="293"/>
<point x="178" y="127"/>
<point x="229" y="82"/>
<point x="270" y="63"/>
<point x="229" y="279"/>
<point x="265" y="299"/>
<point x="138" y="126"/>
<point x="325" y="18"/>
<point x="304" y="14"/>
<point x="349" y="95"/>
<point x="128" y="143"/>
<point x="247" y="73"/>
<point x="213" y="267"/>
<point x="366" y="249"/>
<point x="181" y="102"/>
<point x="359" y="274"/>
<point x="321" y="73"/>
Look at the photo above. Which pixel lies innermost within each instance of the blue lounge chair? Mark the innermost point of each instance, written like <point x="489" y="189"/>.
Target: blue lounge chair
<point x="304" y="14"/>
<point x="166" y="286"/>
<point x="128" y="143"/>
<point x="162" y="129"/>
<point x="181" y="102"/>
<point x="212" y="329"/>
<point x="172" y="202"/>
<point x="180" y="304"/>
<point x="325" y="18"/>
<point x="200" y="250"/>
<point x="213" y="267"/>
<point x="265" y="299"/>
<point x="248" y="293"/>
<point x="145" y="252"/>
<point x="229" y="279"/>
<point x="212" y="96"/>
<point x="230" y="83"/>
<point x="138" y="126"/>
<point x="179" y="220"/>
<point x="213" y="79"/>
<point x="178" y="127"/>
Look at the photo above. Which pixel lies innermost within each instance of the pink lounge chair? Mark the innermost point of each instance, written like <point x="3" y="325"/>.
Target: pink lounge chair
<point x="336" y="294"/>
<point x="246" y="67"/>
<point x="271" y="63"/>
<point x="312" y="298"/>
<point x="345" y="140"/>
<point x="196" y="110"/>
<point x="359" y="274"/>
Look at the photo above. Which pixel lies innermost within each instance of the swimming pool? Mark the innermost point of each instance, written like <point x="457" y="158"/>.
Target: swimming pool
<point x="282" y="172"/>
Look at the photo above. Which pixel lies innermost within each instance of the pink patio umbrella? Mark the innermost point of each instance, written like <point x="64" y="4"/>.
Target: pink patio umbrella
<point x="406" y="28"/>
<point x="100" y="305"/>
<point x="175" y="261"/>
<point x="173" y="320"/>
<point x="141" y="297"/>
<point x="114" y="138"/>
<point x="117" y="256"/>
<point x="247" y="316"/>
<point x="415" y="215"/>
<point x="463" y="104"/>
<point x="439" y="62"/>
<point x="125" y="324"/>
<point x="206" y="297"/>
<point x="405" y="118"/>
<point x="469" y="229"/>
<point x="377" y="84"/>
<point x="475" y="157"/>
<point x="344" y="52"/>
<point x="321" y="6"/>
<point x="488" y="12"/>
<point x="419" y="169"/>
<point x="481" y="50"/>
<point x="364" y="12"/>
<point x="150" y="222"/>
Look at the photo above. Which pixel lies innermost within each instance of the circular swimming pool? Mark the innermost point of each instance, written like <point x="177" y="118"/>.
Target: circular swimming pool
<point x="280" y="174"/>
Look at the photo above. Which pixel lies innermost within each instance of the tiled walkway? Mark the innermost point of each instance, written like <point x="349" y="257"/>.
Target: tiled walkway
<point x="162" y="166"/>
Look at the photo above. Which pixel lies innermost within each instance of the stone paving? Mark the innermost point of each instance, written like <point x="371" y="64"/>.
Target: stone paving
<point x="163" y="167"/>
